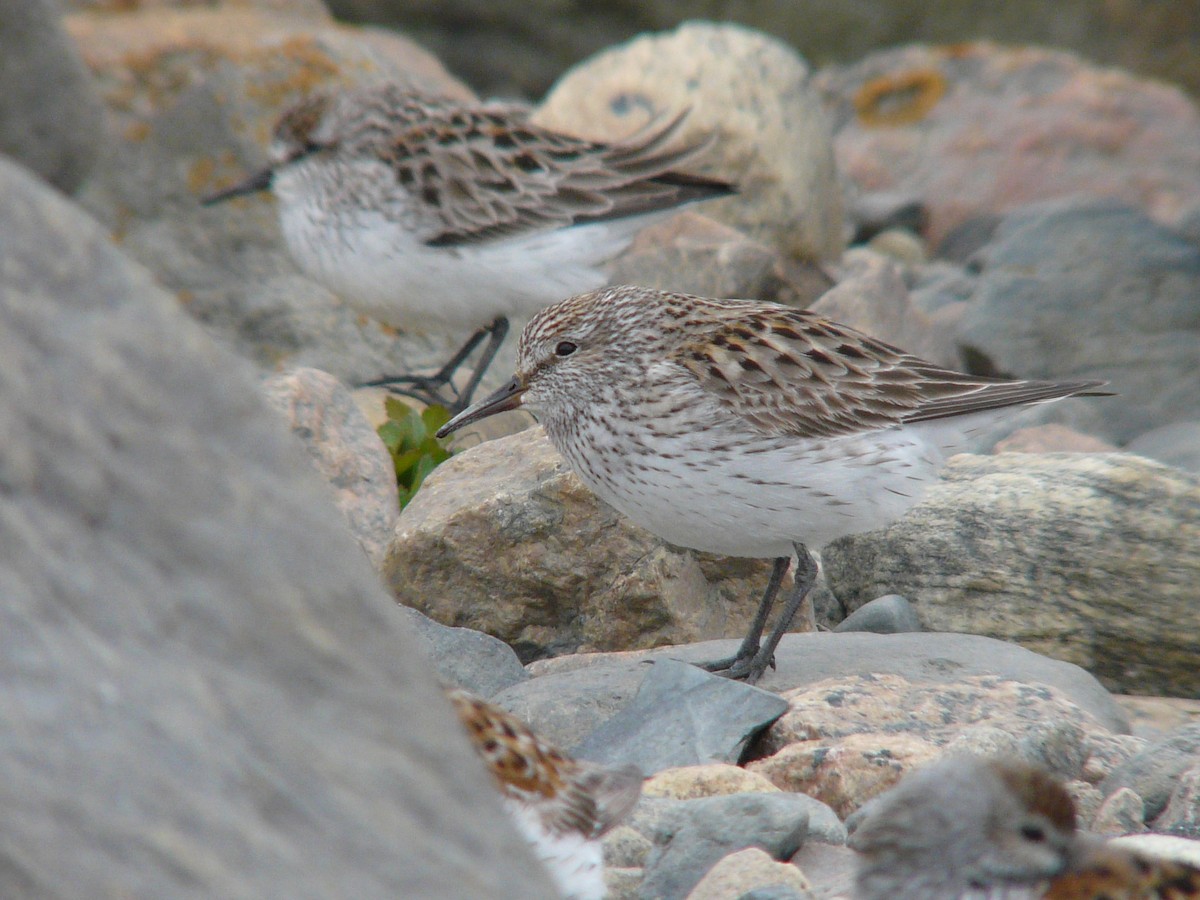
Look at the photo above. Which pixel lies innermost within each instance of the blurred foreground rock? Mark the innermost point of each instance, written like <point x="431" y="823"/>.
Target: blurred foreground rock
<point x="206" y="693"/>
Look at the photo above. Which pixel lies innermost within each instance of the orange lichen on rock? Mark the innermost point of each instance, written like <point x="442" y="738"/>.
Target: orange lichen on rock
<point x="899" y="99"/>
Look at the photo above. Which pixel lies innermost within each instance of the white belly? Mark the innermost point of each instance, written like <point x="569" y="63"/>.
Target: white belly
<point x="758" y="504"/>
<point x="382" y="269"/>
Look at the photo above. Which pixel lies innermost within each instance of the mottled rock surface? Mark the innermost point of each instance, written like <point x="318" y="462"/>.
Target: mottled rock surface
<point x="970" y="129"/>
<point x="1086" y="558"/>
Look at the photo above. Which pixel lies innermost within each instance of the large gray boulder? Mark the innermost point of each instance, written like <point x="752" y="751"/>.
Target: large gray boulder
<point x="205" y="691"/>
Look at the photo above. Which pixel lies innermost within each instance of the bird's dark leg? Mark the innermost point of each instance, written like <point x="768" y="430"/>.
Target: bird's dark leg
<point x="429" y="388"/>
<point x="750" y="644"/>
<point x="806" y="576"/>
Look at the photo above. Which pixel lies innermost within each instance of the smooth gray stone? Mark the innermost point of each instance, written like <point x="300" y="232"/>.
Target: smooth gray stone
<point x="891" y="614"/>
<point x="482" y="664"/>
<point x="207" y="693"/>
<point x="1113" y="296"/>
<point x="693" y="836"/>
<point x="682" y="716"/>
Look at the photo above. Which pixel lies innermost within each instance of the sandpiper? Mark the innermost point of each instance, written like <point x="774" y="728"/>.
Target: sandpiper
<point x="429" y="213"/>
<point x="745" y="428"/>
<point x="562" y="806"/>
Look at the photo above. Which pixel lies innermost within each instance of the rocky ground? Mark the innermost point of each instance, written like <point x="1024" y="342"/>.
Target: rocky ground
<point x="208" y="690"/>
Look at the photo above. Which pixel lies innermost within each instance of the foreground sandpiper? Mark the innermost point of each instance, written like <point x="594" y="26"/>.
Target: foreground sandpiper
<point x="561" y="805"/>
<point x="433" y="214"/>
<point x="970" y="828"/>
<point x="745" y="428"/>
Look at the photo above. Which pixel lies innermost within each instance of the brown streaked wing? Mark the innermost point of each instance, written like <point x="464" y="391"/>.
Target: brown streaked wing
<point x="795" y="373"/>
<point x="487" y="172"/>
<point x="517" y="758"/>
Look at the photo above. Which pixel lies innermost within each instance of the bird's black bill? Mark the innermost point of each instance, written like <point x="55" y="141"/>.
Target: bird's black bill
<point x="508" y="397"/>
<point x="252" y="185"/>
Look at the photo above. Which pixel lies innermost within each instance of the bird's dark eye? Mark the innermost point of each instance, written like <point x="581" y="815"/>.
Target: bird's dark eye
<point x="1033" y="833"/>
<point x="565" y="348"/>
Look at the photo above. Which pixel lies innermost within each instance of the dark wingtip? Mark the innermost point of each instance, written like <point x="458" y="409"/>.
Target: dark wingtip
<point x="260" y="181"/>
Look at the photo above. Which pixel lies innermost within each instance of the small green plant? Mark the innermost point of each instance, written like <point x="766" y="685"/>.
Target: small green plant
<point x="409" y="438"/>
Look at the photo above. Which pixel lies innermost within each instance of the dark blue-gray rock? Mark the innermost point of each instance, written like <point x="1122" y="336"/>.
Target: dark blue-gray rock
<point x="51" y="118"/>
<point x="694" y="835"/>
<point x="682" y="716"/>
<point x="206" y="691"/>
<point x="891" y="614"/>
<point x="1154" y="773"/>
<point x="568" y="706"/>
<point x="1049" y="550"/>
<point x="1089" y="288"/>
<point x="806" y="658"/>
<point x="482" y="664"/>
<point x="1177" y="444"/>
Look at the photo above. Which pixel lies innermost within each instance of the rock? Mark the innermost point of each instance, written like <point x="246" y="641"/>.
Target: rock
<point x="566" y="707"/>
<point x="844" y="740"/>
<point x="193" y="94"/>
<point x="711" y="780"/>
<point x="1052" y="439"/>
<point x="503" y="538"/>
<point x="1153" y="718"/>
<point x="1163" y="846"/>
<point x="1049" y="551"/>
<point x="883" y="615"/>
<point x="199" y="662"/>
<point x="693" y="254"/>
<point x="697" y="833"/>
<point x="749" y="90"/>
<point x="871" y="296"/>
<point x="847" y="773"/>
<point x="804" y="659"/>
<point x="51" y="118"/>
<point x="1121" y="812"/>
<point x="751" y="874"/>
<point x="1052" y="300"/>
<point x="1182" y="815"/>
<point x="682" y="716"/>
<point x="622" y="883"/>
<point x="972" y="129"/>
<point x="346" y="451"/>
<point x="1177" y="444"/>
<point x="470" y="659"/>
<point x="874" y="213"/>
<point x="829" y="867"/>
<point x="899" y="245"/>
<point x="1154" y="773"/>
<point x="1087" y="799"/>
<point x="626" y="848"/>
